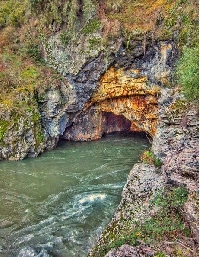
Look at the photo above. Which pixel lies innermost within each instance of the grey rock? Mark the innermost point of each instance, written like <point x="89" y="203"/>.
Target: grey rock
<point x="123" y="251"/>
<point x="177" y="147"/>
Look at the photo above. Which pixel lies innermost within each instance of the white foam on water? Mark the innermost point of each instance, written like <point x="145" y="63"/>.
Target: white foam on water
<point x="92" y="198"/>
<point x="76" y="211"/>
<point x="21" y="240"/>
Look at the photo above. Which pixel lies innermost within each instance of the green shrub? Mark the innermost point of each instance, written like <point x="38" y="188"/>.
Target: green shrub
<point x="12" y="13"/>
<point x="175" y="198"/>
<point x="65" y="38"/>
<point x="29" y="74"/>
<point x="149" y="158"/>
<point x="94" y="43"/>
<point x="33" y="51"/>
<point x="187" y="73"/>
<point x="157" y="162"/>
<point x="179" y="196"/>
<point x="92" y="26"/>
<point x="3" y="128"/>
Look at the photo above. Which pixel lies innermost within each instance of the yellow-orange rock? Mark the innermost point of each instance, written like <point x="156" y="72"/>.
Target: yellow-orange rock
<point x="123" y="97"/>
<point x="127" y="93"/>
<point x="118" y="83"/>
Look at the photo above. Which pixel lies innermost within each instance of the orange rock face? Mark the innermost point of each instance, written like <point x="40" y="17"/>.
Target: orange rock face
<point x="127" y="93"/>
<point x="118" y="83"/>
<point x="123" y="102"/>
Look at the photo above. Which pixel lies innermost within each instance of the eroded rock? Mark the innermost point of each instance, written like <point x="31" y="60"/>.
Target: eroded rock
<point x="176" y="144"/>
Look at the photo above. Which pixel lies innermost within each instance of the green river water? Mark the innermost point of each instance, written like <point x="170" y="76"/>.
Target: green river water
<point x="58" y="204"/>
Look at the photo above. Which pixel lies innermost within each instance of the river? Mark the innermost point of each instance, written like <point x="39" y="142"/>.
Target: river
<point x="58" y="204"/>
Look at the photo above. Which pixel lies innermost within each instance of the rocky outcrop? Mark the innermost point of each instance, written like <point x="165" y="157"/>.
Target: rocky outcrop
<point x="21" y="134"/>
<point x="176" y="139"/>
<point x="176" y="144"/>
<point x="124" y="83"/>
<point x="135" y="207"/>
<point x="121" y="97"/>
<point x="112" y="90"/>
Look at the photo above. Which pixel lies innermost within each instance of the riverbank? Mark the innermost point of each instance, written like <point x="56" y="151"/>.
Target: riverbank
<point x="158" y="213"/>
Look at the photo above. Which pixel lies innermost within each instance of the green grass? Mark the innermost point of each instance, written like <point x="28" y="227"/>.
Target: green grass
<point x="187" y="73"/>
<point x="3" y="128"/>
<point x="148" y="157"/>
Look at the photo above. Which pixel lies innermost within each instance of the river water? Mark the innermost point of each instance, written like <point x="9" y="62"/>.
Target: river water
<point x="58" y="204"/>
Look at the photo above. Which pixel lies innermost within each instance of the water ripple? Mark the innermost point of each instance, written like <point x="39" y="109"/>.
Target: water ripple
<point x="58" y="204"/>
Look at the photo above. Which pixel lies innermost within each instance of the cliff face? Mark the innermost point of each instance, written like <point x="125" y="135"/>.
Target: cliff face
<point x="117" y="92"/>
<point x="121" y="103"/>
<point x="21" y="133"/>
<point x="102" y="98"/>
<point x="110" y="64"/>
<point x="157" y="200"/>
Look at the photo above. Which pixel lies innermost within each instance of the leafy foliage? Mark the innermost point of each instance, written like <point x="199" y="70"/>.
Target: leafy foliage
<point x="187" y="72"/>
<point x="3" y="128"/>
<point x="12" y="12"/>
<point x="91" y="26"/>
<point x="67" y="14"/>
<point x="164" y="19"/>
<point x="65" y="37"/>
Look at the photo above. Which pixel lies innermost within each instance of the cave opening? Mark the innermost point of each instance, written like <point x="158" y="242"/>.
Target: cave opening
<point x="96" y="124"/>
<point x="120" y="125"/>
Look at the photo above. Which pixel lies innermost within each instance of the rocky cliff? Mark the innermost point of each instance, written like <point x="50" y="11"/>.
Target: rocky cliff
<point x="110" y="67"/>
<point x="126" y="95"/>
<point x="100" y="98"/>
<point x="129" y="74"/>
<point x="158" y="213"/>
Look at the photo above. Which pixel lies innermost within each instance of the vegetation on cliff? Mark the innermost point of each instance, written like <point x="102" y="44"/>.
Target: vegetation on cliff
<point x="165" y="224"/>
<point x="25" y="27"/>
<point x="187" y="73"/>
<point x="25" y="24"/>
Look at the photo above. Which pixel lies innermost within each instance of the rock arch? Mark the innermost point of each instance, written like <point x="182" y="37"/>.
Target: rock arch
<point x="122" y="102"/>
